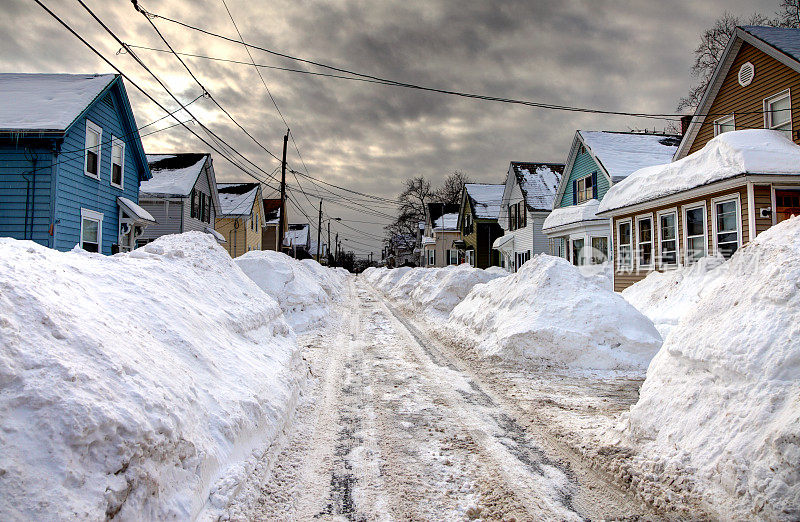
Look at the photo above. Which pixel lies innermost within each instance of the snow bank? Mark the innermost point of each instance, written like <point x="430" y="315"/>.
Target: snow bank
<point x="722" y="397"/>
<point x="303" y="290"/>
<point x="441" y="289"/>
<point x="137" y="385"/>
<point x="665" y="297"/>
<point x="385" y="279"/>
<point x="548" y="313"/>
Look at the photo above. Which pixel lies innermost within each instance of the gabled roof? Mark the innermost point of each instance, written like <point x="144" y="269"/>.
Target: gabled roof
<point x="435" y="211"/>
<point x="173" y="174"/>
<point x="272" y="211"/>
<point x="47" y="102"/>
<point x="538" y="182"/>
<point x="782" y="44"/>
<point x="298" y="235"/>
<point x="446" y="222"/>
<point x="237" y="199"/>
<point x="731" y="154"/>
<point x="486" y="199"/>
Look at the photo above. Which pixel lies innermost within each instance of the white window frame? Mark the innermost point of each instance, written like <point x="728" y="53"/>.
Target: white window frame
<point x="592" y="249"/>
<point x="727" y="120"/>
<point x="450" y="253"/>
<point x="92" y="215"/>
<point x="639" y="218"/>
<point x="685" y="228"/>
<point x="768" y="114"/>
<point x="430" y="257"/>
<point x="620" y="244"/>
<point x="469" y="257"/>
<point x="722" y="199"/>
<point x="578" y="188"/>
<point x="116" y="142"/>
<point x="661" y="264"/>
<point x="91" y="126"/>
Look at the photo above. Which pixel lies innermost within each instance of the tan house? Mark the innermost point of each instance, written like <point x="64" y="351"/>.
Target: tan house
<point x="241" y="217"/>
<point x="440" y="242"/>
<point x="736" y="172"/>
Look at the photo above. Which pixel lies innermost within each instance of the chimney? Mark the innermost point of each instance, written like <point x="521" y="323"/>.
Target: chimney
<point x="685" y="121"/>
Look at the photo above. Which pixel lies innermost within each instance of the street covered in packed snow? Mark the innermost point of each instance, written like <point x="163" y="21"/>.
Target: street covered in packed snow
<point x="275" y="389"/>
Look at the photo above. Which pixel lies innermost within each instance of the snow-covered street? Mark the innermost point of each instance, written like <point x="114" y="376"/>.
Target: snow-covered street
<point x="395" y="425"/>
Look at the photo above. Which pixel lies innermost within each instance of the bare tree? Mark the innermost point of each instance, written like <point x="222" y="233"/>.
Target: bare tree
<point x="417" y="193"/>
<point x="707" y="55"/>
<point x="788" y="14"/>
<point x="453" y="185"/>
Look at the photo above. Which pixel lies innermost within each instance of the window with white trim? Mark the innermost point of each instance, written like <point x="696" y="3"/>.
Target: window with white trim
<point x="694" y="227"/>
<point x="431" y="257"/>
<point x="599" y="253"/>
<point x="727" y="229"/>
<point x="585" y="189"/>
<point x="577" y="252"/>
<point x="452" y="257"/>
<point x="726" y="124"/>
<point x="778" y="112"/>
<point x="624" y="244"/>
<point x="91" y="162"/>
<point x="469" y="257"/>
<point x="668" y="238"/>
<point x="91" y="238"/>
<point x="117" y="162"/>
<point x="644" y="241"/>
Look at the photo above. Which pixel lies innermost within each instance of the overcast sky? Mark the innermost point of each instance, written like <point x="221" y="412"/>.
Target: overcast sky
<point x="618" y="55"/>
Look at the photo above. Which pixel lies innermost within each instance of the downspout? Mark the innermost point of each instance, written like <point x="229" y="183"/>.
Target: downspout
<point x="53" y="194"/>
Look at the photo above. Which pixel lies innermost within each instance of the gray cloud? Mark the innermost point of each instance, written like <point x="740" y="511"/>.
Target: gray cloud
<point x="614" y="54"/>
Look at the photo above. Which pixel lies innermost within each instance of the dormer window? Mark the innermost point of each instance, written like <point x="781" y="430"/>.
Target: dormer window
<point x="94" y="135"/>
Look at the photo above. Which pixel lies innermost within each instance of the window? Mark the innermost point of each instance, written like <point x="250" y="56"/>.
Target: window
<point x="727" y="231"/>
<point x="91" y="230"/>
<point x="694" y="226"/>
<point x="644" y="241"/>
<point x="522" y="216"/>
<point x="431" y="257"/>
<point x="512" y="218"/>
<point x="522" y="258"/>
<point x="668" y="238"/>
<point x="624" y="244"/>
<point x="193" y="206"/>
<point x="577" y="252"/>
<point x="585" y="188"/>
<point x="469" y="257"/>
<point x="599" y="253"/>
<point x="778" y="112"/>
<point x="94" y="134"/>
<point x="117" y="162"/>
<point x="725" y="124"/>
<point x="452" y="257"/>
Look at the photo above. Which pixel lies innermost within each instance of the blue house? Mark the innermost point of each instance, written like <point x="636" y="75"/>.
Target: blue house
<point x="71" y="161"/>
<point x="596" y="161"/>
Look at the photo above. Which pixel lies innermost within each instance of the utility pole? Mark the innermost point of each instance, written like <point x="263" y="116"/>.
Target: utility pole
<point x="319" y="228"/>
<point x="282" y="220"/>
<point x="336" y="257"/>
<point x="329" y="239"/>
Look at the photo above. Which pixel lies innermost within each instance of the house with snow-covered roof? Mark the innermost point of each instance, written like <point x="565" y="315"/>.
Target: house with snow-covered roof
<point x="711" y="202"/>
<point x="478" y="222"/>
<point x="527" y="200"/>
<point x="297" y="240"/>
<point x="71" y="160"/>
<point x="440" y="240"/>
<point x="596" y="161"/>
<point x="182" y="195"/>
<point x="272" y="223"/>
<point x="241" y="216"/>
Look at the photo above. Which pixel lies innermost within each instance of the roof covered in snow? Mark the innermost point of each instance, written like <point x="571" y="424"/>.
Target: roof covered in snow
<point x="436" y="210"/>
<point x="298" y="235"/>
<point x="135" y="211"/>
<point x="572" y="214"/>
<point x="173" y="174"/>
<point x="485" y="199"/>
<point x="623" y="153"/>
<point x="752" y="151"/>
<point x="785" y="39"/>
<point x="446" y="222"/>
<point x="272" y="211"/>
<point x="47" y="102"/>
<point x="538" y="182"/>
<point x="237" y="199"/>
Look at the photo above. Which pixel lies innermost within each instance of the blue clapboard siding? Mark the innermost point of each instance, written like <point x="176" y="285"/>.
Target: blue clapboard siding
<point x="584" y="165"/>
<point x="76" y="190"/>
<point x="20" y="189"/>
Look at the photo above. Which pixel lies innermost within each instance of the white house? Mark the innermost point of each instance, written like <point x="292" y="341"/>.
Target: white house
<point x="527" y="201"/>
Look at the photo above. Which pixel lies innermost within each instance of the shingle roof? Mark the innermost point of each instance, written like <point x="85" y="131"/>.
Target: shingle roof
<point x="173" y="174"/>
<point x="237" y="199"/>
<point x="538" y="182"/>
<point x="623" y="153"/>
<point x="486" y="199"/>
<point x="785" y="39"/>
<point x="435" y="210"/>
<point x="47" y="102"/>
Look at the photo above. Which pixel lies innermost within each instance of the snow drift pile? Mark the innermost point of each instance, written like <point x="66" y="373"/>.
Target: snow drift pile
<point x="435" y="290"/>
<point x="722" y="397"/>
<point x="303" y="289"/>
<point x="548" y="313"/>
<point x="137" y="385"/>
<point x="665" y="297"/>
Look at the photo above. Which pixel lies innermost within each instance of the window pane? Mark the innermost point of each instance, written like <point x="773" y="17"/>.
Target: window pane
<point x="667" y="227"/>
<point x="91" y="162"/>
<point x="116" y="174"/>
<point x="92" y="139"/>
<point x="694" y="221"/>
<point x="726" y="216"/>
<point x="625" y="255"/>
<point x="624" y="233"/>
<point x="577" y="252"/>
<point x="90" y="230"/>
<point x="780" y="112"/>
<point x="697" y="248"/>
<point x="668" y="253"/>
<point x="116" y="154"/>
<point x="599" y="250"/>
<point x="645" y="230"/>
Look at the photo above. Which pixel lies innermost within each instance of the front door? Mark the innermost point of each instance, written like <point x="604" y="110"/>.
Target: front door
<point x="787" y="204"/>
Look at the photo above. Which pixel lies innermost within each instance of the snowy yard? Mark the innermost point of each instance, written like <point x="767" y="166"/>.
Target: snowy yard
<point x="174" y="382"/>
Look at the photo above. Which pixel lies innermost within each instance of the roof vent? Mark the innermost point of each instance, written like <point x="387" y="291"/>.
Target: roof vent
<point x="746" y="73"/>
